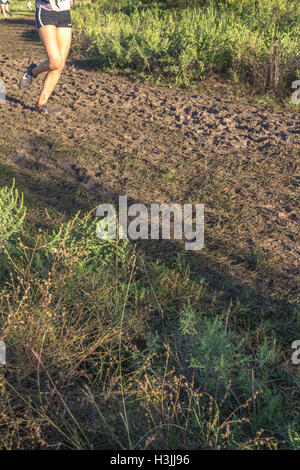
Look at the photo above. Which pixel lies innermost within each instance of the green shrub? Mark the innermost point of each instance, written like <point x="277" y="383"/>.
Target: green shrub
<point x="258" y="41"/>
<point x="12" y="213"/>
<point x="217" y="354"/>
<point x="77" y="242"/>
<point x="293" y="438"/>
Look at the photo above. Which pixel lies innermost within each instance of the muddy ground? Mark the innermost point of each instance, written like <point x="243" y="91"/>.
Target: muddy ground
<point x="118" y="136"/>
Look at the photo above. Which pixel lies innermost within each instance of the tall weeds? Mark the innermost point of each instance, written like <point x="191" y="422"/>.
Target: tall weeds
<point x="258" y="42"/>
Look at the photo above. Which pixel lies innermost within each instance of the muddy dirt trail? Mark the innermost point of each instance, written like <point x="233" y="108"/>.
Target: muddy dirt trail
<point x="156" y="144"/>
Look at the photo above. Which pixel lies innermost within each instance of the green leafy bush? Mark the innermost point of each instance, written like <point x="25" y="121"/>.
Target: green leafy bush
<point x="294" y="438"/>
<point x="255" y="40"/>
<point x="217" y="354"/>
<point x="12" y="213"/>
<point x="77" y="242"/>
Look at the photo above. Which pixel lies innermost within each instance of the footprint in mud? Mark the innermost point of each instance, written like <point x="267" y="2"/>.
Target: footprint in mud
<point x="80" y="173"/>
<point x="116" y="114"/>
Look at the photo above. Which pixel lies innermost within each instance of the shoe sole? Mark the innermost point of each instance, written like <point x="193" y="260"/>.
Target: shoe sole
<point x="47" y="112"/>
<point x="22" y="87"/>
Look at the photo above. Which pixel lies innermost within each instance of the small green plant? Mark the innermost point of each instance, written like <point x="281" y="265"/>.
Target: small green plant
<point x="77" y="241"/>
<point x="294" y="438"/>
<point x="12" y="213"/>
<point x="214" y="352"/>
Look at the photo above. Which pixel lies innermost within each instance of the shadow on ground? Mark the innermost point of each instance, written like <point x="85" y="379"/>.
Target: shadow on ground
<point x="31" y="35"/>
<point x="22" y="21"/>
<point x="13" y="100"/>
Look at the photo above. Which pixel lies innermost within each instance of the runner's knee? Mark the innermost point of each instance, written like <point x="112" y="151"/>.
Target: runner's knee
<point x="55" y="63"/>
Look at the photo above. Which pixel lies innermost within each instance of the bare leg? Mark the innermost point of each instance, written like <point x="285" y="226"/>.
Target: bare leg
<point x="3" y="10"/>
<point x="57" y="42"/>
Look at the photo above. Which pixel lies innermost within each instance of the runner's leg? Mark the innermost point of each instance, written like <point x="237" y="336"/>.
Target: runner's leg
<point x="48" y="37"/>
<point x="3" y="10"/>
<point x="57" y="42"/>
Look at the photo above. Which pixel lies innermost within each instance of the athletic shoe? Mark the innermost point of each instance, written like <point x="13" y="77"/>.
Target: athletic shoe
<point x="27" y="78"/>
<point x="46" y="110"/>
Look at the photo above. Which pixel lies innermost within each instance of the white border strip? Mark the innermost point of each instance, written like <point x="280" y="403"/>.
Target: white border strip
<point x="40" y="20"/>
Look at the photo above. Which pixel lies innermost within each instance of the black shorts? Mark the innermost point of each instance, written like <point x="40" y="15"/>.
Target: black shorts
<point x="60" y="19"/>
